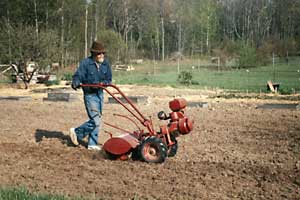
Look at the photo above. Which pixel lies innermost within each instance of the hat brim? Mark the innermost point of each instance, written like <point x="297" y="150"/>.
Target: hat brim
<point x="97" y="50"/>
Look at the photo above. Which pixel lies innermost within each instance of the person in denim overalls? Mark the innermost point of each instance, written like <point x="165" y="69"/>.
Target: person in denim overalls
<point x="92" y="70"/>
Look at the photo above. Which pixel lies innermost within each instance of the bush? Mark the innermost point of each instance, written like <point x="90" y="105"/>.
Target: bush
<point x="114" y="45"/>
<point x="264" y="52"/>
<point x="285" y="91"/>
<point x="281" y="48"/>
<point x="185" y="78"/>
<point x="228" y="47"/>
<point x="67" y="76"/>
<point x="54" y="82"/>
<point x="247" y="56"/>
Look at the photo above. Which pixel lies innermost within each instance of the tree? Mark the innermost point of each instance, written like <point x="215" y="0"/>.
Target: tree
<point x="114" y="45"/>
<point x="26" y="48"/>
<point x="153" y="29"/>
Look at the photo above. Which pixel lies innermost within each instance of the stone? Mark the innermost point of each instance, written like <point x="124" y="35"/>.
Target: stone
<point x="59" y="96"/>
<point x="16" y="98"/>
<point x="278" y="106"/>
<point x="198" y="104"/>
<point x="133" y="99"/>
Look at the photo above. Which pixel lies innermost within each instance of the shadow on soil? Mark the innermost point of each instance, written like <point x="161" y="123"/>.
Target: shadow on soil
<point x="40" y="134"/>
<point x="64" y="139"/>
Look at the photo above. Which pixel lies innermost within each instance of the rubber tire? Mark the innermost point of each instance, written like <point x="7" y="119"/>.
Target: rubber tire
<point x="172" y="150"/>
<point x="135" y="154"/>
<point x="158" y="147"/>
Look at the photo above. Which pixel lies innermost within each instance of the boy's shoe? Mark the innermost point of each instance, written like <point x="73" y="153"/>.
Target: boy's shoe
<point x="94" y="147"/>
<point x="73" y="136"/>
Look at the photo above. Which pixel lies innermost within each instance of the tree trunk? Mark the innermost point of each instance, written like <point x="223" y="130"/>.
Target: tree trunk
<point x="140" y="38"/>
<point x="46" y="25"/>
<point x="62" y="37"/>
<point x="36" y="22"/>
<point x="9" y="38"/>
<point x="162" y="39"/>
<point x="208" y="34"/>
<point x="26" y="85"/>
<point x="96" y="19"/>
<point x="201" y="41"/>
<point x="179" y="36"/>
<point x="157" y="42"/>
<point x="126" y="21"/>
<point x="85" y="31"/>
<point x="162" y="30"/>
<point x="47" y="16"/>
<point x="193" y="45"/>
<point x="27" y="76"/>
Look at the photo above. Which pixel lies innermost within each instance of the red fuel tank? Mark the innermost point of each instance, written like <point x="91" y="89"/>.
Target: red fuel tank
<point x="177" y="104"/>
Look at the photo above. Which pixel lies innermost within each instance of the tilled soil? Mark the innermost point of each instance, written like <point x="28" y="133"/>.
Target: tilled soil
<point x="235" y="151"/>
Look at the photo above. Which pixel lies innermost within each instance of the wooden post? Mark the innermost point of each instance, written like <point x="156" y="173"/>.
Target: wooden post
<point x="178" y="66"/>
<point x="270" y="84"/>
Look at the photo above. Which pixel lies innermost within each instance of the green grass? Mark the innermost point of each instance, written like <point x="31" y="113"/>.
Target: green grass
<point x="4" y="79"/>
<point x="208" y="76"/>
<point x="23" y="194"/>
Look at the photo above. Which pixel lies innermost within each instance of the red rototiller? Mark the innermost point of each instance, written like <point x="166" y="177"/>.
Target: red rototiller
<point x="146" y="145"/>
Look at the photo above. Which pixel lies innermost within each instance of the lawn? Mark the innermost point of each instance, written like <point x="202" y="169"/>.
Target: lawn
<point x="208" y="75"/>
<point x="205" y="75"/>
<point x="23" y="194"/>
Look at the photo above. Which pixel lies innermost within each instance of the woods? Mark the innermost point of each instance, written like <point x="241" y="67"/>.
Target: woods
<point x="62" y="31"/>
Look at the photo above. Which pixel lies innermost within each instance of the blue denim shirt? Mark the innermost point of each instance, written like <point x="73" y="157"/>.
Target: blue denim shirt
<point x="88" y="73"/>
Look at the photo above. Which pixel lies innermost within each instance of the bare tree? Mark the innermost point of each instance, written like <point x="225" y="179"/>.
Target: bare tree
<point x="9" y="38"/>
<point x="96" y="18"/>
<point x="36" y="21"/>
<point x="162" y="30"/>
<point x="86" y="30"/>
<point x="62" y="37"/>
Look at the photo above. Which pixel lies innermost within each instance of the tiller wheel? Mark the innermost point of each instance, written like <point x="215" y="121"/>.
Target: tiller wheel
<point x="172" y="149"/>
<point x="153" y="150"/>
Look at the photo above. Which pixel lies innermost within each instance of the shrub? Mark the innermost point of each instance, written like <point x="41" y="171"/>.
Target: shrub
<point x="229" y="47"/>
<point x="247" y="56"/>
<point x="185" y="78"/>
<point x="285" y="91"/>
<point x="264" y="52"/>
<point x="54" y="82"/>
<point x="67" y="76"/>
<point x="114" y="45"/>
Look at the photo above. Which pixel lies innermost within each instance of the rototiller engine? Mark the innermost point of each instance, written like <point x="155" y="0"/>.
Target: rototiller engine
<point x="149" y="146"/>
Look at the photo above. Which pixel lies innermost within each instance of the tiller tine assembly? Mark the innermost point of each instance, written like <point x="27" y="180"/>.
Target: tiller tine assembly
<point x="121" y="144"/>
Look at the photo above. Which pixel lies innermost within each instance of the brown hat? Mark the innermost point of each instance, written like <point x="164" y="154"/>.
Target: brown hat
<point x="97" y="47"/>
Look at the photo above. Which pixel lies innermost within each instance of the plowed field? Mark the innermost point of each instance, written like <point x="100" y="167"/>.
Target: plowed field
<point x="235" y="151"/>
